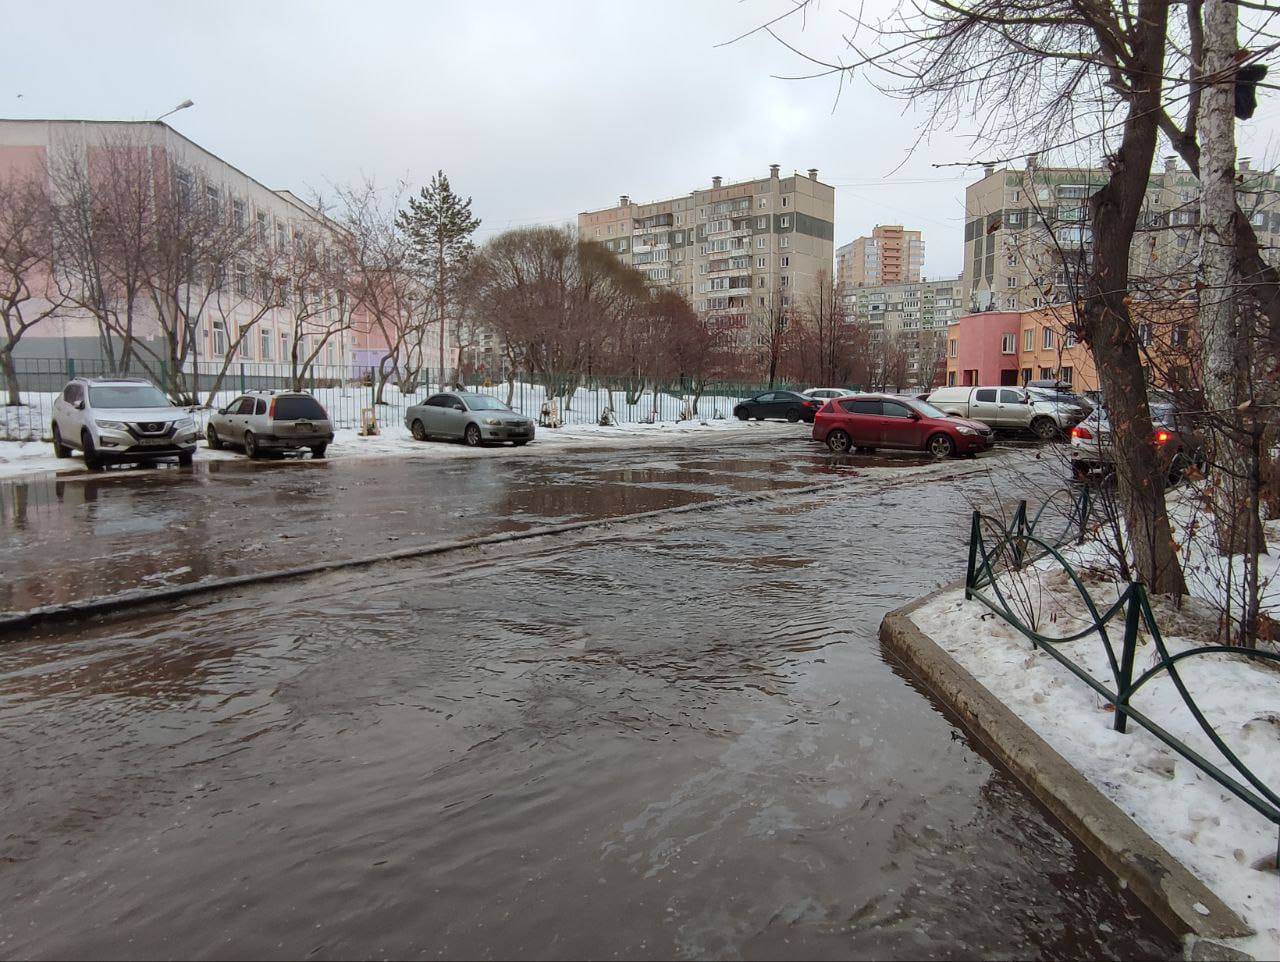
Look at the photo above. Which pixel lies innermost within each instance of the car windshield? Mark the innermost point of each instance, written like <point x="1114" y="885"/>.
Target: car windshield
<point x="1161" y="414"/>
<point x="298" y="407"/>
<point x="128" y="396"/>
<point x="927" y="409"/>
<point x="482" y="402"/>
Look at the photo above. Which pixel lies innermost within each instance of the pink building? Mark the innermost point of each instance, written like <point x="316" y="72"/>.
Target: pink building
<point x="983" y="348"/>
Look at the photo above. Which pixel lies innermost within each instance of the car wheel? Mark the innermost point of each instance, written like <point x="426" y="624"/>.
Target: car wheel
<point x="940" y="446"/>
<point x="419" y="432"/>
<point x="60" y="450"/>
<point x="211" y="436"/>
<point x="1044" y="428"/>
<point x="185" y="459"/>
<point x="741" y="414"/>
<point x="472" y="436"/>
<point x="318" y="450"/>
<point x="793" y="415"/>
<point x="251" y="445"/>
<point x="91" y="459"/>
<point x="839" y="442"/>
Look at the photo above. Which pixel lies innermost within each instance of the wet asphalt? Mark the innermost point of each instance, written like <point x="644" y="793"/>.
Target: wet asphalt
<point x="680" y="738"/>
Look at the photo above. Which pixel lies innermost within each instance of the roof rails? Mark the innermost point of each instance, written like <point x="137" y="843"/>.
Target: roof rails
<point x="112" y="377"/>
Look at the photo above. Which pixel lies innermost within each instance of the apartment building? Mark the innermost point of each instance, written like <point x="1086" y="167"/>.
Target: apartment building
<point x="736" y="251"/>
<point x="890" y="255"/>
<point x="278" y="220"/>
<point x="1027" y="233"/>
<point x="912" y="315"/>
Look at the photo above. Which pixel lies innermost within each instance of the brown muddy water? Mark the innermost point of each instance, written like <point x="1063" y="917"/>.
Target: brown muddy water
<point x="676" y="741"/>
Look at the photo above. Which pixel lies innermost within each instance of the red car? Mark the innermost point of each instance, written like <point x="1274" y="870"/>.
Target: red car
<point x="869" y="421"/>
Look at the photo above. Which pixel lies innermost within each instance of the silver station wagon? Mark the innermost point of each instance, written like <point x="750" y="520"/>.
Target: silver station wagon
<point x="472" y="418"/>
<point x="262" y="421"/>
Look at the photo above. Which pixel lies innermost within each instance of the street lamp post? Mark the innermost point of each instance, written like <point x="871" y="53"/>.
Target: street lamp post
<point x="182" y="106"/>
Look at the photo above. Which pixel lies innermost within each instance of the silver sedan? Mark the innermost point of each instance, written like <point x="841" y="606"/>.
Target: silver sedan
<point x="472" y="418"/>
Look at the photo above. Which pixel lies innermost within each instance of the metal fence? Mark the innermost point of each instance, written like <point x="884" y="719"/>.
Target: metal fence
<point x="347" y="391"/>
<point x="1000" y="553"/>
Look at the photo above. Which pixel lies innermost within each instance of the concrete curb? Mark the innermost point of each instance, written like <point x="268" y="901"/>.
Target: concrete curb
<point x="13" y="622"/>
<point x="1158" y="879"/>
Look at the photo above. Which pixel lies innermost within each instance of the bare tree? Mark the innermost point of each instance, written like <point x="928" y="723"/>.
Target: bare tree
<point x="27" y="292"/>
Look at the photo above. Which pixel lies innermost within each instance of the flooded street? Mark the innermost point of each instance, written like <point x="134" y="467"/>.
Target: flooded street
<point x="675" y="738"/>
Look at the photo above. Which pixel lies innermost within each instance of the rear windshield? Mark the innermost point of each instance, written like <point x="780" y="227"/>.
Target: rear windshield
<point x="128" y="396"/>
<point x="298" y="408"/>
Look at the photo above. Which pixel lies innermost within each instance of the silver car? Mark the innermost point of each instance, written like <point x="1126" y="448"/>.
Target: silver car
<point x="114" y="419"/>
<point x="473" y="418"/>
<point x="262" y="421"/>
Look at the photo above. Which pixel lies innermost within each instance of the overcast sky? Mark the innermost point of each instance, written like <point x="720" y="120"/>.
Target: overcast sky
<point x="537" y="109"/>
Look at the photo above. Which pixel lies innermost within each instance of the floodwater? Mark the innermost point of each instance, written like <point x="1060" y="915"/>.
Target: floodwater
<point x="669" y="740"/>
<point x="116" y="531"/>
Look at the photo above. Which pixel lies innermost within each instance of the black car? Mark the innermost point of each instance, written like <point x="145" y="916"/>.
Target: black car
<point x="778" y="404"/>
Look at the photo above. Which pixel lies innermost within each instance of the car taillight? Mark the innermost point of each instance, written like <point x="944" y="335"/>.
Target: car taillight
<point x="811" y="404"/>
<point x="1082" y="433"/>
<point x="1162" y="437"/>
<point x="271" y="409"/>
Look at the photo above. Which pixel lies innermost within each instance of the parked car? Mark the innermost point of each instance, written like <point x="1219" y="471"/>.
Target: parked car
<point x="120" y="419"/>
<point x="778" y="404"/>
<point x="1178" y="443"/>
<point x="1005" y="409"/>
<point x="1060" y="393"/>
<point x="473" y="418"/>
<point x="871" y="421"/>
<point x="262" y="421"/>
<point x="827" y="393"/>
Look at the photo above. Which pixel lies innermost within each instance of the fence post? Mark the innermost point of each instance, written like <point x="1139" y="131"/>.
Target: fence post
<point x="242" y="377"/>
<point x="975" y="532"/>
<point x="1132" y="613"/>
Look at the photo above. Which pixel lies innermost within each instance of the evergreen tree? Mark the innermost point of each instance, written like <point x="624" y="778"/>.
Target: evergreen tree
<point x="439" y="226"/>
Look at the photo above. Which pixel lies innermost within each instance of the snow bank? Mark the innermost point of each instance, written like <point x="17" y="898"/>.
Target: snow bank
<point x="1216" y="835"/>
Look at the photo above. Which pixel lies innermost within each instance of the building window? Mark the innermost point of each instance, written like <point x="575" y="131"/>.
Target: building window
<point x="219" y="338"/>
<point x="1010" y="303"/>
<point x="1071" y="340"/>
<point x="242" y="279"/>
<point x="760" y="281"/>
<point x="951" y="379"/>
<point x="1011" y="282"/>
<point x="762" y="262"/>
<point x="785" y="241"/>
<point x="239" y="213"/>
<point x="246" y="348"/>
<point x="702" y="213"/>
<point x="760" y="243"/>
<point x="762" y="223"/>
<point x="784" y="221"/>
<point x="1007" y="344"/>
<point x="1026" y="375"/>
<point x="284" y="346"/>
<point x="1144" y="334"/>
<point x="1066" y="375"/>
<point x="786" y="261"/>
<point x="1046" y="339"/>
<point x="786" y="202"/>
<point x="764" y="202"/>
<point x="266" y="344"/>
<point x="1028" y="339"/>
<point x="1046" y="373"/>
<point x="786" y="280"/>
<point x="954" y="347"/>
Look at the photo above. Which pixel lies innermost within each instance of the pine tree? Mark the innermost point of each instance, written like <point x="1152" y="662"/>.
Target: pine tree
<point x="439" y="226"/>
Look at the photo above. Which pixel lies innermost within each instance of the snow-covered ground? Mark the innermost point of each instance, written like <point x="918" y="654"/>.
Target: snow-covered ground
<point x="19" y="458"/>
<point x="1217" y="836"/>
<point x="584" y="407"/>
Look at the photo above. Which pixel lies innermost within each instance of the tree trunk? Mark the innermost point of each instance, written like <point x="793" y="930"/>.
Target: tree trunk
<point x="1225" y="317"/>
<point x="10" y="371"/>
<point x="1108" y="327"/>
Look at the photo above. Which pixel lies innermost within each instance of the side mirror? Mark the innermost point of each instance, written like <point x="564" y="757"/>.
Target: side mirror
<point x="79" y="405"/>
<point x="222" y="410"/>
<point x="915" y="415"/>
<point x="1026" y="399"/>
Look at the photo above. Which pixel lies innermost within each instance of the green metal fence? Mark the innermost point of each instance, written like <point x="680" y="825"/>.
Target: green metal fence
<point x="347" y="390"/>
<point x="999" y="551"/>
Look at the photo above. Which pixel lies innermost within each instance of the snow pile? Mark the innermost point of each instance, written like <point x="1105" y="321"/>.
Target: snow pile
<point x="1216" y="835"/>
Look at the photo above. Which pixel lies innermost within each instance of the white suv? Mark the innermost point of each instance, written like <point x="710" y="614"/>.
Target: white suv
<point x="120" y="419"/>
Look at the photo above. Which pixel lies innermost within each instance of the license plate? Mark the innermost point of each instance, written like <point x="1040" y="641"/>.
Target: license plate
<point x="302" y="426"/>
<point x="154" y="442"/>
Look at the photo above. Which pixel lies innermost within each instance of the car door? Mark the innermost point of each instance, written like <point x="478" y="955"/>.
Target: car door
<point x="782" y="402"/>
<point x="452" y="415"/>
<point x="899" y="426"/>
<point x="1012" y="409"/>
<point x="983" y="405"/>
<point x="758" y="406"/>
<point x="862" y="421"/>
<point x="431" y="420"/>
<point x="237" y="418"/>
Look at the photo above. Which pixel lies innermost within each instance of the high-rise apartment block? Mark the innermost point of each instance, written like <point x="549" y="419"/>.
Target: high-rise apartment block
<point x="1027" y="232"/>
<point x="737" y="251"/>
<point x="914" y="316"/>
<point x="890" y="255"/>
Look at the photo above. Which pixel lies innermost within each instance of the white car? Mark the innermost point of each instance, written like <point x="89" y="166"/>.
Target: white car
<point x="827" y="393"/>
<point x="120" y="419"/>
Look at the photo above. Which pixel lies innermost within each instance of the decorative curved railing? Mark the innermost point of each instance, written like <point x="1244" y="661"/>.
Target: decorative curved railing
<point x="997" y="548"/>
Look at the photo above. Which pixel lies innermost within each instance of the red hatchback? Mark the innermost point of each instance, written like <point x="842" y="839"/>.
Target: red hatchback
<point x="869" y="421"/>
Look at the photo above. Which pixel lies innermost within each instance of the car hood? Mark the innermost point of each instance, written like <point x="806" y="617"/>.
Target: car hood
<point x="969" y="423"/>
<point x="140" y="414"/>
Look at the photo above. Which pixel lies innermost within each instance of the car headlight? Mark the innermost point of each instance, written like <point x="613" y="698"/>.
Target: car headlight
<point x="492" y="422"/>
<point x="111" y="425"/>
<point x="966" y="430"/>
<point x="184" y="423"/>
